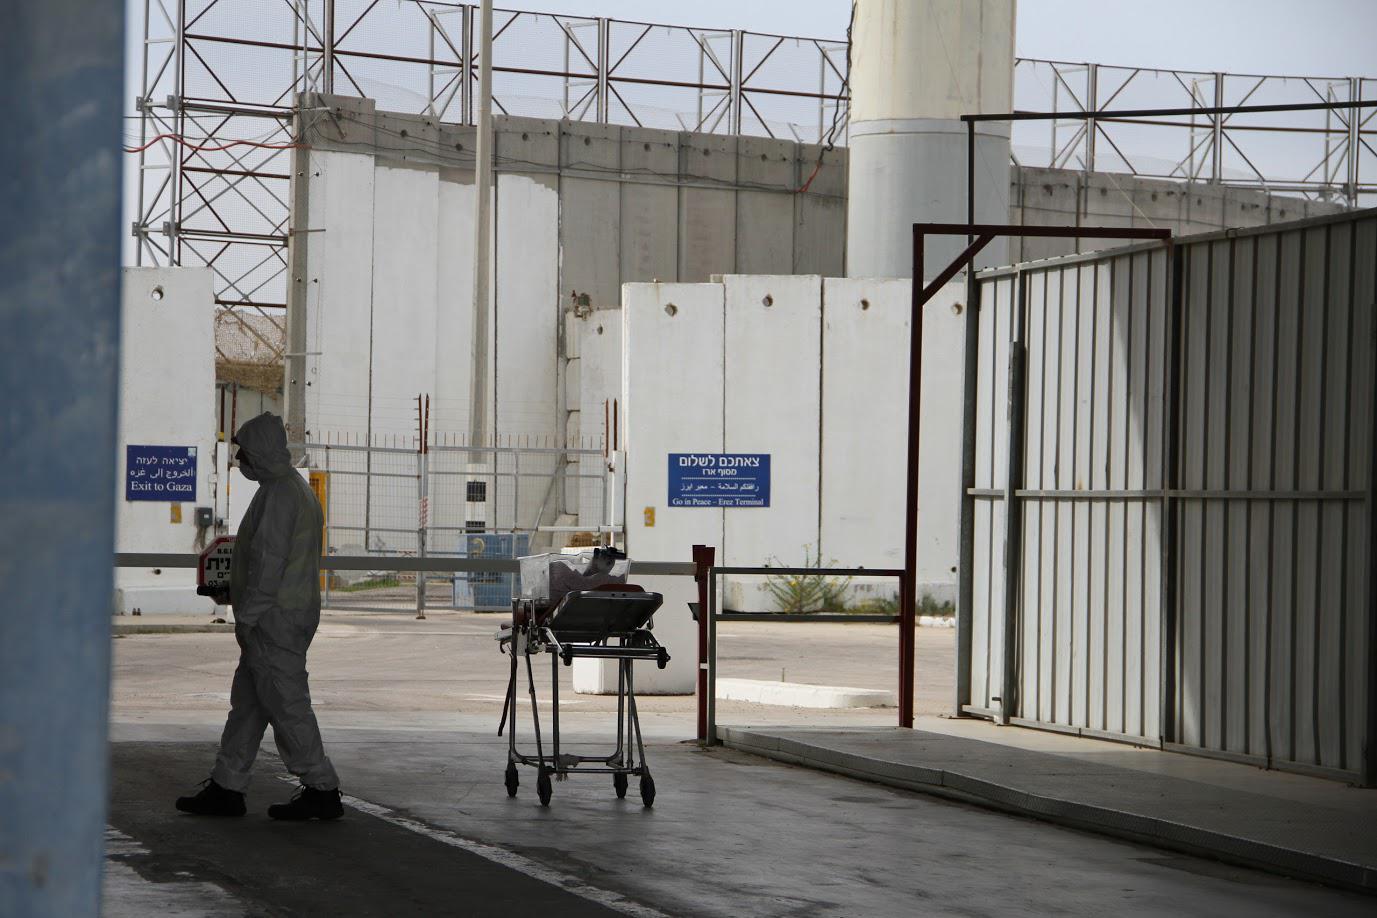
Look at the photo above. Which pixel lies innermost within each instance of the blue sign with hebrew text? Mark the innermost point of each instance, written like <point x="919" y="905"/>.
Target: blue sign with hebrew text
<point x="719" y="479"/>
<point x="160" y="473"/>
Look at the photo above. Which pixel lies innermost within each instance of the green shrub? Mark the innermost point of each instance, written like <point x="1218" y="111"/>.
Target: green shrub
<point x="794" y="593"/>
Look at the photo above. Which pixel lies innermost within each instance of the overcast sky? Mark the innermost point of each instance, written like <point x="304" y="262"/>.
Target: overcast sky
<point x="1285" y="37"/>
<point x="1301" y="37"/>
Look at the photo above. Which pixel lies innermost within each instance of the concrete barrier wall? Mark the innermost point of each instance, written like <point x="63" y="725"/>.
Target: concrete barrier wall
<point x="772" y="348"/>
<point x="672" y="373"/>
<point x="815" y="373"/>
<point x="167" y="386"/>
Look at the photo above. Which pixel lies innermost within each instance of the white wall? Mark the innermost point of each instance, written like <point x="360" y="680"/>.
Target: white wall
<point x="672" y="375"/>
<point x="527" y="316"/>
<point x="773" y="343"/>
<point x="595" y="378"/>
<point x="167" y="398"/>
<point x="819" y="380"/>
<point x="389" y="306"/>
<point x="339" y="299"/>
<point x="405" y="264"/>
<point x="864" y="390"/>
<point x="865" y="422"/>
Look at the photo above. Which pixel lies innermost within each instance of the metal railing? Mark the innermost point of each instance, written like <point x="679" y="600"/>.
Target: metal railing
<point x="707" y="698"/>
<point x="451" y="501"/>
<point x="216" y="73"/>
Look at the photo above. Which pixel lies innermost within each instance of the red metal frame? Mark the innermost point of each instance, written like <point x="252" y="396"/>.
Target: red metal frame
<point x="980" y="235"/>
<point x="703" y="557"/>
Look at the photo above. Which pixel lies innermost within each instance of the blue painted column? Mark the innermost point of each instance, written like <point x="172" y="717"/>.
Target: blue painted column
<point x="61" y="63"/>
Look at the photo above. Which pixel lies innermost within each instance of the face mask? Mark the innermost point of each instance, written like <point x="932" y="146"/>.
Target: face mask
<point x="245" y="466"/>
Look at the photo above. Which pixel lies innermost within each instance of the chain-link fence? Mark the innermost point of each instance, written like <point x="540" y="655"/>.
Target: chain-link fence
<point x="448" y="501"/>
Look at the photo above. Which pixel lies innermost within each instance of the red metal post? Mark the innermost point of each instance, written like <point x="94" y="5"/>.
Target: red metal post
<point x="703" y="557"/>
<point x="908" y="584"/>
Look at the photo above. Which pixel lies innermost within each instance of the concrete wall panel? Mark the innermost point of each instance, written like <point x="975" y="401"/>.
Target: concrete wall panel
<point x="590" y="240"/>
<point x="167" y="388"/>
<point x="864" y="396"/>
<point x="450" y="408"/>
<point x="527" y="310"/>
<point x="772" y="406"/>
<point x="405" y="261"/>
<point x="669" y="357"/>
<point x="340" y="295"/>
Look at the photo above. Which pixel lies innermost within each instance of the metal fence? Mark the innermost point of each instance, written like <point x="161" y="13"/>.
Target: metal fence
<point x="449" y="501"/>
<point x="1181" y="550"/>
<point x="214" y="122"/>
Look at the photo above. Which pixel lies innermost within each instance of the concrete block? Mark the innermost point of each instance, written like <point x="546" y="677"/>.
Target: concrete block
<point x="589" y="239"/>
<point x="1160" y="203"/>
<point x="649" y="233"/>
<point x="527" y="310"/>
<point x="864" y="394"/>
<point x="819" y="235"/>
<point x="649" y="154"/>
<point x="1244" y="207"/>
<point x="771" y="406"/>
<point x="761" y="161"/>
<point x="707" y="233"/>
<point x="405" y="261"/>
<point x="571" y="381"/>
<point x="339" y="296"/>
<point x="830" y="180"/>
<point x="408" y="138"/>
<point x="600" y="376"/>
<point x="167" y="388"/>
<point x="589" y="145"/>
<point x="450" y="406"/>
<point x="670" y="356"/>
<point x="1204" y="205"/>
<point x="801" y="695"/>
<point x="161" y="600"/>
<point x="526" y="143"/>
<point x="764" y="232"/>
<point x="459" y="143"/>
<point x="707" y="157"/>
<point x="345" y="121"/>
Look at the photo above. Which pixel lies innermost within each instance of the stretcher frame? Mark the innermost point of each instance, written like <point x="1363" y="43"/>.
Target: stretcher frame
<point x="535" y="630"/>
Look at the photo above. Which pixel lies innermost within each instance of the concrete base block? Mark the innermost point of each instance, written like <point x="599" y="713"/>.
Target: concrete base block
<point x="161" y="600"/>
<point x="800" y="695"/>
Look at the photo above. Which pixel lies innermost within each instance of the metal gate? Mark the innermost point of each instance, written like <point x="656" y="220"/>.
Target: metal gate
<point x="1189" y="519"/>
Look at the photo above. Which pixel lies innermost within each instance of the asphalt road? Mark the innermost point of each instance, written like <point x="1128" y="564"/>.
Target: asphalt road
<point x="359" y="865"/>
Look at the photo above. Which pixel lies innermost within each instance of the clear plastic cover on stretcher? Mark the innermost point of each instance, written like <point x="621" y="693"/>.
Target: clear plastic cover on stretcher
<point x="547" y="578"/>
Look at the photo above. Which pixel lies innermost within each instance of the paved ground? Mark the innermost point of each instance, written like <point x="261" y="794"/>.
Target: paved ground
<point x="1162" y="798"/>
<point x="409" y="718"/>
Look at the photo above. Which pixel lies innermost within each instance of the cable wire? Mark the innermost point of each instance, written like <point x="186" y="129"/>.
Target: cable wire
<point x="207" y="148"/>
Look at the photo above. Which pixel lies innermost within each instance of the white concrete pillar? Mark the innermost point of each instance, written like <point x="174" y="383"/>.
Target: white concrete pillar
<point x="916" y="67"/>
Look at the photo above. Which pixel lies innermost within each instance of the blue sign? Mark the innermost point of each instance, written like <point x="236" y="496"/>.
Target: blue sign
<point x="719" y="479"/>
<point x="160" y="473"/>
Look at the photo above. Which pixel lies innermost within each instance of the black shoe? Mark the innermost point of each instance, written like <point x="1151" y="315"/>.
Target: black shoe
<point x="309" y="803"/>
<point x="213" y="800"/>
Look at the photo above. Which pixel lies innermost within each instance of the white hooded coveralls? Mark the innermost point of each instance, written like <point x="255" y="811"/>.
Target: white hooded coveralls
<point x="275" y="591"/>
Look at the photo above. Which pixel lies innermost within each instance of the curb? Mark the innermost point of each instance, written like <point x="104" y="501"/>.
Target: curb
<point x="1134" y="827"/>
<point x="119" y="630"/>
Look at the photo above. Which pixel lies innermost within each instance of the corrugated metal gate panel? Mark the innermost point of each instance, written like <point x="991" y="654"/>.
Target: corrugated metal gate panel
<point x="1089" y="616"/>
<point x="1270" y="646"/>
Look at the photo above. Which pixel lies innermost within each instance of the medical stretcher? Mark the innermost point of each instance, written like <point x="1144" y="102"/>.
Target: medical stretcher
<point x="610" y="622"/>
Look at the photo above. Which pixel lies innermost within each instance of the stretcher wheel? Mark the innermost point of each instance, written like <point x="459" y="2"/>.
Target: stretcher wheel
<point x="543" y="788"/>
<point x="647" y="789"/>
<point x="619" y="784"/>
<point x="512" y="780"/>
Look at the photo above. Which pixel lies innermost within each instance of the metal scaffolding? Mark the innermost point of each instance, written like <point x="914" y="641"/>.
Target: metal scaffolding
<point x="214" y="114"/>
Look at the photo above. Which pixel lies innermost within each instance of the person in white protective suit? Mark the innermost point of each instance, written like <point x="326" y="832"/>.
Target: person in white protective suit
<point x="275" y="591"/>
